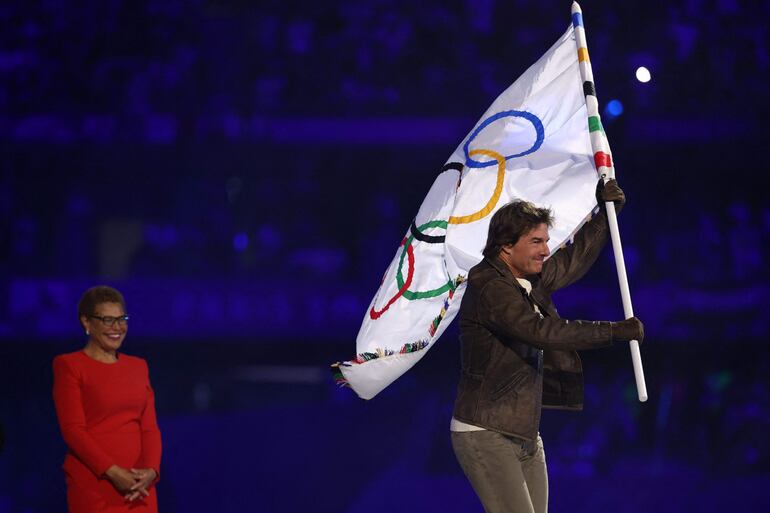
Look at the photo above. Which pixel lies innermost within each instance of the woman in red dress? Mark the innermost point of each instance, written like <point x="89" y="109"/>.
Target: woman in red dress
<point x="106" y="411"/>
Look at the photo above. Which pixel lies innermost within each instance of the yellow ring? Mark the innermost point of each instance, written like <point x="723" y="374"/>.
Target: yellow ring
<point x="495" y="195"/>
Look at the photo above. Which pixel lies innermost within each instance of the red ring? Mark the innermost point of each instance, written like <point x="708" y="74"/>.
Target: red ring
<point x="374" y="314"/>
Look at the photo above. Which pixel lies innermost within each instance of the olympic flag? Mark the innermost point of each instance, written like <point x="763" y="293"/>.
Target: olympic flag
<point x="533" y="143"/>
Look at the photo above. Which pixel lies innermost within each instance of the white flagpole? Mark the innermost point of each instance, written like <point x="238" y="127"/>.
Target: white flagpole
<point x="604" y="166"/>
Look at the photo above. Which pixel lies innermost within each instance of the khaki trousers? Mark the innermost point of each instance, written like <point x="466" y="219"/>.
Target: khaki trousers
<point x="508" y="474"/>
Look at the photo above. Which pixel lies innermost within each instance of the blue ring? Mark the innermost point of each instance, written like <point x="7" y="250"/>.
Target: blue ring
<point x="539" y="130"/>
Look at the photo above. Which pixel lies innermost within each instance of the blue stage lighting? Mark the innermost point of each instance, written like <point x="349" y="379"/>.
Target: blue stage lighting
<point x="613" y="109"/>
<point x="240" y="242"/>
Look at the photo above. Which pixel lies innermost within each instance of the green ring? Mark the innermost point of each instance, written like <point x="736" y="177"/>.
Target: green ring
<point x="408" y="294"/>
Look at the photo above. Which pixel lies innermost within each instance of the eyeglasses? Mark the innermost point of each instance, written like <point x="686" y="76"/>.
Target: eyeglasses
<point x="109" y="320"/>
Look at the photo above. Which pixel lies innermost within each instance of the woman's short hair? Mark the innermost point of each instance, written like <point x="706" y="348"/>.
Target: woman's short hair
<point x="98" y="295"/>
<point x="511" y="222"/>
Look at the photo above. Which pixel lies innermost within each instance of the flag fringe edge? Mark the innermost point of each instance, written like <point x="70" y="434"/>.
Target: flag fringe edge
<point x="409" y="347"/>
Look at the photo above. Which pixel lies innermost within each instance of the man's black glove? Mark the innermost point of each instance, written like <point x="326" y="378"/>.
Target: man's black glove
<point x="630" y="329"/>
<point x="610" y="192"/>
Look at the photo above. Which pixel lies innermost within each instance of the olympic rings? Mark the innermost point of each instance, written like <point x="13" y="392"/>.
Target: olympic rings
<point x="417" y="232"/>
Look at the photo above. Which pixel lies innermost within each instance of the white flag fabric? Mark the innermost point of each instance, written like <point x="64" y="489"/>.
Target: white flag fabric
<point x="533" y="143"/>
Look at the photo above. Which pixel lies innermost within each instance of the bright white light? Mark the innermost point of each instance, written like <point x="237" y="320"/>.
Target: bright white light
<point x="643" y="74"/>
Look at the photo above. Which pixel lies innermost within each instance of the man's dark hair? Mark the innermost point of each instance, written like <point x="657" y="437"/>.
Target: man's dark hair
<point x="511" y="222"/>
<point x="97" y="295"/>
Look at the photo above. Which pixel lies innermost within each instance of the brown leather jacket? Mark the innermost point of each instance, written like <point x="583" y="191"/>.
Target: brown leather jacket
<point x="515" y="361"/>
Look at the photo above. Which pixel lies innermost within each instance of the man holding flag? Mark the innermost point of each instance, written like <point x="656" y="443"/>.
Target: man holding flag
<point x="519" y="356"/>
<point x="520" y="185"/>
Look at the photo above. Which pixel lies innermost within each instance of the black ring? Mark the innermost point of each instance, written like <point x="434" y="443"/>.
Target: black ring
<point x="452" y="165"/>
<point x="430" y="239"/>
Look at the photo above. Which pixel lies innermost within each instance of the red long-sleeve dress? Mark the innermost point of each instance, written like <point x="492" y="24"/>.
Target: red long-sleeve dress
<point x="107" y="417"/>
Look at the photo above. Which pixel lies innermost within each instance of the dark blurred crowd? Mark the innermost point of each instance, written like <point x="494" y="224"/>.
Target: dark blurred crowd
<point x="187" y="64"/>
<point x="120" y="125"/>
<point x="310" y="219"/>
<point x="710" y="414"/>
